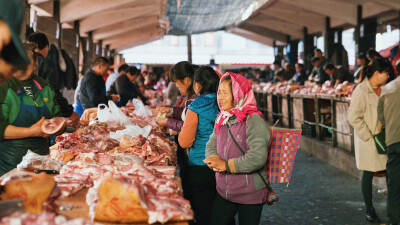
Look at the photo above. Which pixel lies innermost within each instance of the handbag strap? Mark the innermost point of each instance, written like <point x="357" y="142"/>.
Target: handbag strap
<point x="237" y="145"/>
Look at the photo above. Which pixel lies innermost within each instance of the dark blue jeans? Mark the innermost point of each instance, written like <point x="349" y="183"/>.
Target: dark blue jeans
<point x="393" y="173"/>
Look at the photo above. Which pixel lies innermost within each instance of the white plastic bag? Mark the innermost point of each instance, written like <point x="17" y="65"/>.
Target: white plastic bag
<point x="140" y="109"/>
<point x="131" y="131"/>
<point x="111" y="114"/>
<point x="32" y="161"/>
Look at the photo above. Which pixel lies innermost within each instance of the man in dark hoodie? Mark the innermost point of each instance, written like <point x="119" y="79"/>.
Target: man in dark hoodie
<point x="48" y="71"/>
<point x="92" y="91"/>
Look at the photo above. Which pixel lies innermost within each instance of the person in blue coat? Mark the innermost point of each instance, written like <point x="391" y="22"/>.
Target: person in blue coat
<point x="195" y="133"/>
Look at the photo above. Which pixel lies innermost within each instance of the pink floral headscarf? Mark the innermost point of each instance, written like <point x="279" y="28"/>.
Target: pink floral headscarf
<point x="244" y="101"/>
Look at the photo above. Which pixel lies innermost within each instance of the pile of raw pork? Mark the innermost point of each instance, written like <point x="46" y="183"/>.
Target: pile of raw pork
<point x="130" y="180"/>
<point x="343" y="89"/>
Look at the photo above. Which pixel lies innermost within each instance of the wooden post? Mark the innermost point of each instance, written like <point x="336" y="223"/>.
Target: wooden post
<point x="189" y="47"/>
<point x="328" y="38"/>
<point x="308" y="43"/>
<point x="56" y="16"/>
<point x="357" y="31"/>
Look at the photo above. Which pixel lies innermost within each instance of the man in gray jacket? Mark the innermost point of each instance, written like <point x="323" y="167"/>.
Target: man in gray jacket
<point x="389" y="116"/>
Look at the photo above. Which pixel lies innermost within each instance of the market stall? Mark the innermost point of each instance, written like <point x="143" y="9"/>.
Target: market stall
<point x="320" y="112"/>
<point x="121" y="169"/>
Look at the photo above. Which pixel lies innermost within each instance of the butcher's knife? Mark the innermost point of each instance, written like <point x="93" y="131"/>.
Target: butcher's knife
<point x="10" y="206"/>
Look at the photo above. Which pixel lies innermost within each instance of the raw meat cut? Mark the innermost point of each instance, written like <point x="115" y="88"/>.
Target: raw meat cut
<point x="38" y="191"/>
<point x="41" y="219"/>
<point x="117" y="200"/>
<point x="70" y="183"/>
<point x="54" y="125"/>
<point x="123" y="199"/>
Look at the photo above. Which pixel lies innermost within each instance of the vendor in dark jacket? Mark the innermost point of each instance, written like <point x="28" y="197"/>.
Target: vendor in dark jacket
<point x="338" y="74"/>
<point x="92" y="91"/>
<point x="48" y="71"/>
<point x="125" y="87"/>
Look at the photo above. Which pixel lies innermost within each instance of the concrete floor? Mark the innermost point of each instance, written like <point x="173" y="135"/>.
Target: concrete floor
<point x="320" y="194"/>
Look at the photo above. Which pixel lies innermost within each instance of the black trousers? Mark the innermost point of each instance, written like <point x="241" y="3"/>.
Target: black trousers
<point x="393" y="173"/>
<point x="201" y="192"/>
<point x="224" y="212"/>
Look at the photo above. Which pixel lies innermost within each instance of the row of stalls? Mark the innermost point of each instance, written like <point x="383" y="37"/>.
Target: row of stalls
<point x="320" y="116"/>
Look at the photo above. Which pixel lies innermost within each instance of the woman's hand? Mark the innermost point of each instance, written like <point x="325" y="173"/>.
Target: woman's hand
<point x="36" y="130"/>
<point x="164" y="110"/>
<point x="162" y="121"/>
<point x="216" y="163"/>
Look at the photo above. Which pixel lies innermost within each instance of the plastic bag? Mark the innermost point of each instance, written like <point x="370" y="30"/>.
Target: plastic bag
<point x="131" y="131"/>
<point x="111" y="114"/>
<point x="140" y="109"/>
<point x="32" y="161"/>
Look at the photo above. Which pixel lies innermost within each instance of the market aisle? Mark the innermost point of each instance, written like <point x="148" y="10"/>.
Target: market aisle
<point x="320" y="194"/>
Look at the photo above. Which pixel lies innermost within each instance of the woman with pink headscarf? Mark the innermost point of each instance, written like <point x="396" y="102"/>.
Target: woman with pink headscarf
<point x="237" y="152"/>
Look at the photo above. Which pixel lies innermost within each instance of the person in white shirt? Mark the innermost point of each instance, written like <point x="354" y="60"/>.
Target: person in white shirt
<point x="110" y="80"/>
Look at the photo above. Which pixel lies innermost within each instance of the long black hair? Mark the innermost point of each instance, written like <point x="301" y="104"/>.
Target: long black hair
<point x="180" y="71"/>
<point x="379" y="64"/>
<point x="207" y="78"/>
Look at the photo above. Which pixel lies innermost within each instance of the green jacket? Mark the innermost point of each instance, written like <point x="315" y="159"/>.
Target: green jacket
<point x="10" y="101"/>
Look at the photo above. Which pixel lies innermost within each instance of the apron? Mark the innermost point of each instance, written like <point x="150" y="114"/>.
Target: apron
<point x="12" y="150"/>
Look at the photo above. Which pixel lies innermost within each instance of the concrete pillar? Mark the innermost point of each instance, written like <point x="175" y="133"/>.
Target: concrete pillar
<point x="292" y="51"/>
<point x="328" y="39"/>
<point x="189" y="47"/>
<point x="365" y="32"/>
<point x="308" y="41"/>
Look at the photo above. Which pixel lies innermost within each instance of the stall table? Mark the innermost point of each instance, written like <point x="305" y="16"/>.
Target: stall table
<point x="78" y="201"/>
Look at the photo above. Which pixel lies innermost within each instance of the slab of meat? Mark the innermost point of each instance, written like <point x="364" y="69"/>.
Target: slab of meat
<point x="54" y="125"/>
<point x="117" y="200"/>
<point x="95" y="171"/>
<point x="38" y="191"/>
<point x="130" y="199"/>
<point x="41" y="219"/>
<point x="70" y="183"/>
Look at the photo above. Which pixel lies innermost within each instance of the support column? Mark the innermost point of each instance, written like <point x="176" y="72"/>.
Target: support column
<point x="56" y="16"/>
<point x="328" y="39"/>
<point x="292" y="51"/>
<point x="308" y="42"/>
<point x="357" y="31"/>
<point x="189" y="47"/>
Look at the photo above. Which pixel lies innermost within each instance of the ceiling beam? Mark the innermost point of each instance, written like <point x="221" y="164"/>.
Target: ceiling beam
<point x="335" y="9"/>
<point x="394" y="4"/>
<point x="133" y="32"/>
<point x="116" y="16"/>
<point x="264" y="31"/>
<point x="76" y="9"/>
<point x="129" y="41"/>
<point x="143" y="30"/>
<point x="371" y="9"/>
<point x="127" y="25"/>
<point x="44" y="8"/>
<point x="30" y="2"/>
<point x="252" y="36"/>
<point x="300" y="17"/>
<point x="67" y="26"/>
<point x="137" y="43"/>
<point x="262" y="20"/>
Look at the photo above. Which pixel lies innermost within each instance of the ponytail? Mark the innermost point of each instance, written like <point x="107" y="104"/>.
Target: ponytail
<point x="180" y="71"/>
<point x="381" y="65"/>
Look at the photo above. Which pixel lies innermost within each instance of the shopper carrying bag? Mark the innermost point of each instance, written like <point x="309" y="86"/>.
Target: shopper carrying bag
<point x="363" y="117"/>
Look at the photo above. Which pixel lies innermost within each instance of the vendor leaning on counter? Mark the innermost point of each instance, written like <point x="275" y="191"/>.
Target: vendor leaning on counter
<point x="25" y="101"/>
